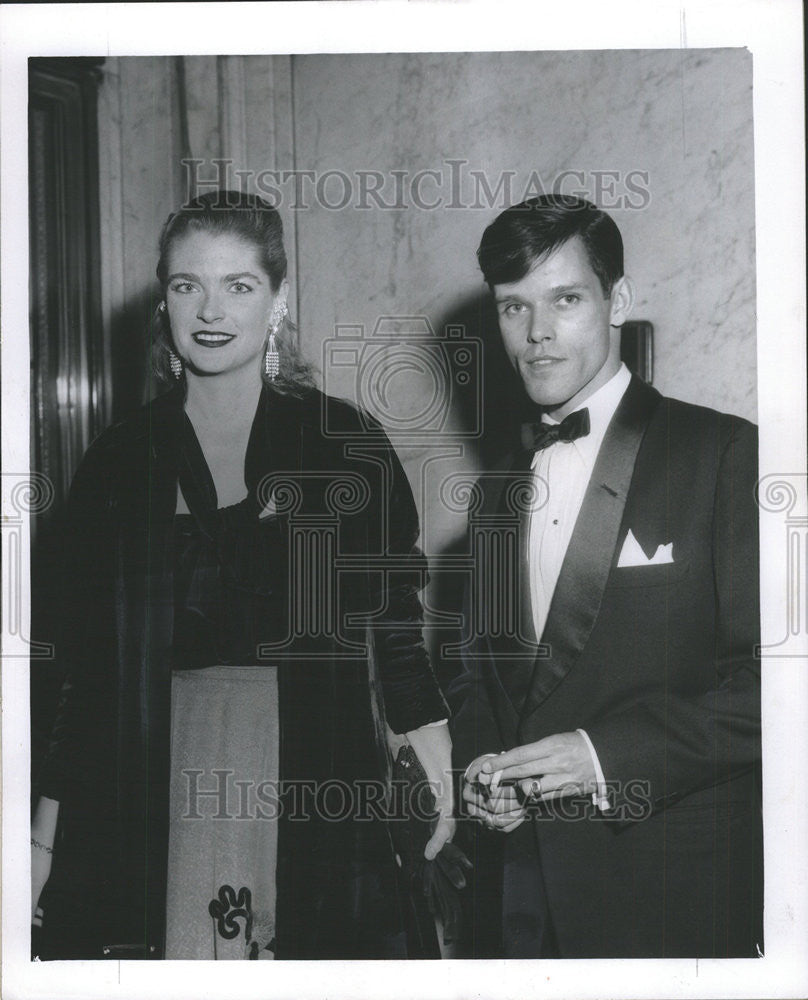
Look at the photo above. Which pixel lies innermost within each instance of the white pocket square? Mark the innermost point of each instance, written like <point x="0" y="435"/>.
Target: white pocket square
<point x="632" y="554"/>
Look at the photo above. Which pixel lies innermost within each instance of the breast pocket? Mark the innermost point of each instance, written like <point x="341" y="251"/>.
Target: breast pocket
<point x="655" y="575"/>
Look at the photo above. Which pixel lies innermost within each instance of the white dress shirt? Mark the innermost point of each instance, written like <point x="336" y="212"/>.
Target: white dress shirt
<point x="561" y="475"/>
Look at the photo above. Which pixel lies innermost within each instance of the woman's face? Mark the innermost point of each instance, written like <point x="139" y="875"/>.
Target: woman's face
<point x="220" y="302"/>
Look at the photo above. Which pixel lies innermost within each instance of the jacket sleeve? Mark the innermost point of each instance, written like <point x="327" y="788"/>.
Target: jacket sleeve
<point x="412" y="696"/>
<point x="697" y="741"/>
<point x="474" y="727"/>
<point x="78" y="755"/>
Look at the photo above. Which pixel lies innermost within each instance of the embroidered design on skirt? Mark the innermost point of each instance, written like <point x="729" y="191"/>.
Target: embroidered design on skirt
<point x="227" y="909"/>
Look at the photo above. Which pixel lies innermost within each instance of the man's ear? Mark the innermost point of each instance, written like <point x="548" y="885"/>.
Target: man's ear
<point x="622" y="301"/>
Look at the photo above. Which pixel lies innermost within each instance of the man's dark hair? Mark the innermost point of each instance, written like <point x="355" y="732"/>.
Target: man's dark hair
<point x="526" y="234"/>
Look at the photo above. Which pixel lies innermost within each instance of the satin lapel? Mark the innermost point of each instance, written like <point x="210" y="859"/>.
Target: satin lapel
<point x="513" y="650"/>
<point x="166" y="420"/>
<point x="579" y="591"/>
<point x="164" y="445"/>
<point x="145" y="491"/>
<point x="274" y="445"/>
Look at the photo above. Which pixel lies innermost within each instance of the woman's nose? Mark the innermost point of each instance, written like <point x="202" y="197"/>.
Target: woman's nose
<point x="209" y="309"/>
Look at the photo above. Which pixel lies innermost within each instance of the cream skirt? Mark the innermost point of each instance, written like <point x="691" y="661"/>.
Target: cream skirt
<point x="223" y="836"/>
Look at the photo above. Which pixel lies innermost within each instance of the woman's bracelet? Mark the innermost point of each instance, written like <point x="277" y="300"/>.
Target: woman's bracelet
<point x="41" y="847"/>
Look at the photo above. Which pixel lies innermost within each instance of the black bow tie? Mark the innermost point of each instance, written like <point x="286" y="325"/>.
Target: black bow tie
<point x="573" y="426"/>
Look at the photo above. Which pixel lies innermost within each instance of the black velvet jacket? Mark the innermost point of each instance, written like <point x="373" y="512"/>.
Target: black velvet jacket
<point x="329" y="475"/>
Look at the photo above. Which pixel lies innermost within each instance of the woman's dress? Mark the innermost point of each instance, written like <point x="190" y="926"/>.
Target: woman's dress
<point x="223" y="838"/>
<point x="167" y="612"/>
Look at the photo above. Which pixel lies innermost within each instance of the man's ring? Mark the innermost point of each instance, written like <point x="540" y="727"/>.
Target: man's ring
<point x="534" y="791"/>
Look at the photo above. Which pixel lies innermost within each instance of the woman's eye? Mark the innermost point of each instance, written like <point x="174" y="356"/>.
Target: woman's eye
<point x="240" y="286"/>
<point x="183" y="287"/>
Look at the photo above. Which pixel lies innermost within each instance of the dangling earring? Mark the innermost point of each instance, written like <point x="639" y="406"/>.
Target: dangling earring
<point x="272" y="360"/>
<point x="174" y="362"/>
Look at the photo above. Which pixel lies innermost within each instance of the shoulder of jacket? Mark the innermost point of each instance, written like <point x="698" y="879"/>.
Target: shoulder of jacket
<point x="137" y="428"/>
<point x="699" y="422"/>
<point x="333" y="416"/>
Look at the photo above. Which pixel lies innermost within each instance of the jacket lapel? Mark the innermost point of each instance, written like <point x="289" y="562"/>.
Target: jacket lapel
<point x="582" y="581"/>
<point x="144" y="491"/>
<point x="274" y="444"/>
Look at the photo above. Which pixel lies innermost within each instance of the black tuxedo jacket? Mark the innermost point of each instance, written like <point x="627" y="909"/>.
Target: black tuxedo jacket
<point x="656" y="662"/>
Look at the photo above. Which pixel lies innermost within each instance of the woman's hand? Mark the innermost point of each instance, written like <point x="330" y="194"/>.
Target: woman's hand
<point x="433" y="747"/>
<point x="43" y="834"/>
<point x="40" y="873"/>
<point x="444" y="831"/>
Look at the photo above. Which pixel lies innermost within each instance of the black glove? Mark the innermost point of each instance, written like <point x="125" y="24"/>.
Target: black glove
<point x="440" y="881"/>
<point x="443" y="879"/>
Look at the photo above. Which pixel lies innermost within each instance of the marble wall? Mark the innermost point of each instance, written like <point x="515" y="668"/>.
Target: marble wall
<point x="395" y="164"/>
<point x="662" y="139"/>
<point x="168" y="126"/>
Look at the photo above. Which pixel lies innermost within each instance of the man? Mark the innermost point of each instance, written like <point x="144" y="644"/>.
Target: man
<point x="612" y="738"/>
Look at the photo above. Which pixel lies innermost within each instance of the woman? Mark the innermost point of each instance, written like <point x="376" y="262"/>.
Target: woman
<point x="241" y="598"/>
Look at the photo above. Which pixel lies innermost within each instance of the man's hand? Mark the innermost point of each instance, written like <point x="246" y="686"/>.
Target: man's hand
<point x="498" y="809"/>
<point x="562" y="763"/>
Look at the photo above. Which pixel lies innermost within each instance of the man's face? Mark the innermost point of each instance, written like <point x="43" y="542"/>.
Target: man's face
<point x="560" y="331"/>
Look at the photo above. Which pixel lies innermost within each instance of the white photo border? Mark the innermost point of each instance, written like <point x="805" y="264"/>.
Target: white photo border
<point x="772" y="32"/>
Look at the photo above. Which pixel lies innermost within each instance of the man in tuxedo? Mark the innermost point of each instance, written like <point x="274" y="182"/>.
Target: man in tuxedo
<point x="611" y="738"/>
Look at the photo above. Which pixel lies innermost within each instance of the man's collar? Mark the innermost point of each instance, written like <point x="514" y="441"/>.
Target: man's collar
<point x="602" y="403"/>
